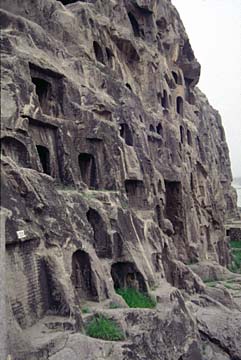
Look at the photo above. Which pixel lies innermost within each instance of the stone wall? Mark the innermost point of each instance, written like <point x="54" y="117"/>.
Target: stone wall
<point x="109" y="149"/>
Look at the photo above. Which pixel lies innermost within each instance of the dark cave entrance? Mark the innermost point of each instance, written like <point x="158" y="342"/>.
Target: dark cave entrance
<point x="43" y="91"/>
<point x="125" y="275"/>
<point x="82" y="276"/>
<point x="135" y="191"/>
<point x="44" y="158"/>
<point x="179" y="105"/>
<point x="134" y="24"/>
<point x="98" y="52"/>
<point x="102" y="240"/>
<point x="88" y="170"/>
<point x="174" y="206"/>
<point x="126" y="134"/>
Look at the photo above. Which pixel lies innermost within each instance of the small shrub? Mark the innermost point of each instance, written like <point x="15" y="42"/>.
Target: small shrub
<point x="103" y="328"/>
<point x="114" y="305"/>
<point x="136" y="299"/>
<point x="85" y="310"/>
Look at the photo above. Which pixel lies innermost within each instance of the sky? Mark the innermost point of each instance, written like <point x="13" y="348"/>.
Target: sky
<point x="214" y="30"/>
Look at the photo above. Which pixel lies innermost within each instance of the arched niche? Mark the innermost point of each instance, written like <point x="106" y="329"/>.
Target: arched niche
<point x="16" y="150"/>
<point x="102" y="240"/>
<point x="179" y="105"/>
<point x="134" y="24"/>
<point x="44" y="157"/>
<point x="126" y="134"/>
<point x="82" y="276"/>
<point x="126" y="275"/>
<point x="88" y="170"/>
<point x="99" y="55"/>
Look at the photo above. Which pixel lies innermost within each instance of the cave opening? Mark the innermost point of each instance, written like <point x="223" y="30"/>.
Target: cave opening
<point x="82" y="276"/>
<point x="44" y="157"/>
<point x="134" y="24"/>
<point x="179" y="105"/>
<point x="159" y="129"/>
<point x="43" y="90"/>
<point x="102" y="240"/>
<point x="189" y="137"/>
<point x="174" y="205"/>
<point x="164" y="100"/>
<point x="135" y="191"/>
<point x="88" y="170"/>
<point x="126" y="134"/>
<point x="181" y="134"/>
<point x="125" y="275"/>
<point x="98" y="52"/>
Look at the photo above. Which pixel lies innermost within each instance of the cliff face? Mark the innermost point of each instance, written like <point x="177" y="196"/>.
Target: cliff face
<point x="116" y="168"/>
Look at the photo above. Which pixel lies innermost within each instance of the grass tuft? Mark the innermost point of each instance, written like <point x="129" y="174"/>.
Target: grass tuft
<point x="136" y="299"/>
<point x="103" y="328"/>
<point x="236" y="256"/>
<point x="85" y="310"/>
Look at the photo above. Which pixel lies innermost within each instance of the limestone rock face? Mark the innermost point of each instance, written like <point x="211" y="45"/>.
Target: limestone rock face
<point x="116" y="173"/>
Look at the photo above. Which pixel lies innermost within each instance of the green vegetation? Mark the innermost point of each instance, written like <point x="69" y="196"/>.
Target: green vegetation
<point x="236" y="256"/>
<point x="103" y="328"/>
<point x="85" y="310"/>
<point x="114" y="305"/>
<point x="136" y="299"/>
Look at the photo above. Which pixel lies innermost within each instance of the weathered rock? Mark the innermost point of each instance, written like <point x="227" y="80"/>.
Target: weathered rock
<point x="116" y="171"/>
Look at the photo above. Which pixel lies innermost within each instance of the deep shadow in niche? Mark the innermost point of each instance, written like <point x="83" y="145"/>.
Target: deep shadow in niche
<point x="181" y="134"/>
<point x="66" y="2"/>
<point x="179" y="105"/>
<point x="164" y="100"/>
<point x="82" y="276"/>
<point x="134" y="24"/>
<point x="126" y="275"/>
<point x="44" y="158"/>
<point x="174" y="205"/>
<point x="126" y="134"/>
<point x="88" y="170"/>
<point x="98" y="52"/>
<point x="189" y="137"/>
<point x="136" y="193"/>
<point x="159" y="129"/>
<point x="151" y="128"/>
<point x="16" y="150"/>
<point x="102" y="240"/>
<point x="44" y="91"/>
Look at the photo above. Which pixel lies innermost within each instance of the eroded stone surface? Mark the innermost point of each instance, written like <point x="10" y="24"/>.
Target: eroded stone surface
<point x="115" y="167"/>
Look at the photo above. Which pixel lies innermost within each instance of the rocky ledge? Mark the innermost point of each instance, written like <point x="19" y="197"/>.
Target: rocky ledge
<point x="115" y="174"/>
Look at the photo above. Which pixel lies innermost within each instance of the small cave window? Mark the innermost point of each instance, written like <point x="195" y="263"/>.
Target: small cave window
<point x="44" y="157"/>
<point x="128" y="87"/>
<point x="159" y="129"/>
<point x="109" y="55"/>
<point x="151" y="128"/>
<point x="67" y="2"/>
<point x="189" y="137"/>
<point x="88" y="170"/>
<point x="135" y="191"/>
<point x="125" y="275"/>
<point x="82" y="276"/>
<point x="181" y="134"/>
<point x="134" y="24"/>
<point x="179" y="105"/>
<point x="175" y="76"/>
<point x="192" y="182"/>
<point x="102" y="241"/>
<point x="174" y="205"/>
<point x="98" y="52"/>
<point x="126" y="134"/>
<point x="43" y="91"/>
<point x="164" y="100"/>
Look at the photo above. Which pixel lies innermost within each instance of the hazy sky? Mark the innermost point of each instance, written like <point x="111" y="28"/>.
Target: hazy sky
<point x="214" y="29"/>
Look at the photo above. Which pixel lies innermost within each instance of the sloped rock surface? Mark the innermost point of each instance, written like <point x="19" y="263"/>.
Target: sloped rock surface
<point x="115" y="172"/>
